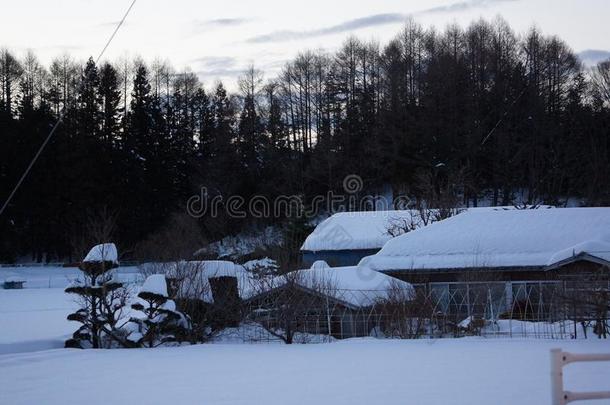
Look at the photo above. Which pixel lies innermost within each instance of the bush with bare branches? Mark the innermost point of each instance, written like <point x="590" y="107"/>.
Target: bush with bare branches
<point x="586" y="301"/>
<point x="285" y="305"/>
<point x="406" y="314"/>
<point x="98" y="227"/>
<point x="177" y="240"/>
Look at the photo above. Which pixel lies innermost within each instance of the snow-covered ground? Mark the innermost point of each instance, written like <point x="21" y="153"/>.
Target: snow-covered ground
<point x="58" y="277"/>
<point x="462" y="371"/>
<point x="34" y="370"/>
<point x="34" y="318"/>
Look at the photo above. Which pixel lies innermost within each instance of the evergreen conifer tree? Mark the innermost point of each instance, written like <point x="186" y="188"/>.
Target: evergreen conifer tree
<point x="101" y="300"/>
<point x="161" y="322"/>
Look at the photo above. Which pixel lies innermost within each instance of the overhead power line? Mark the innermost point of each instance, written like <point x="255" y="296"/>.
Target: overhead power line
<point x="60" y="118"/>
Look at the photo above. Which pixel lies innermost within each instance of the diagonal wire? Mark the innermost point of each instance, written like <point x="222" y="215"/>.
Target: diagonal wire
<point x="61" y="117"/>
<point x="503" y="116"/>
<point x="115" y="31"/>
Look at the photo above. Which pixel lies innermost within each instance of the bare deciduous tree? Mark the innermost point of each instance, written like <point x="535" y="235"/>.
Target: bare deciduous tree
<point x="99" y="227"/>
<point x="178" y="240"/>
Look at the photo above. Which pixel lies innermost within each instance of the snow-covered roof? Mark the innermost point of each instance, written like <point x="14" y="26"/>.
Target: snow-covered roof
<point x="356" y="230"/>
<point x="214" y="268"/>
<point x="106" y="252"/>
<point x="353" y="285"/>
<point x="198" y="273"/>
<point x="499" y="238"/>
<point x="365" y="230"/>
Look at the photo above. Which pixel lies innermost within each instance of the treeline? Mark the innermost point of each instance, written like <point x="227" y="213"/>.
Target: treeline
<point x="493" y="113"/>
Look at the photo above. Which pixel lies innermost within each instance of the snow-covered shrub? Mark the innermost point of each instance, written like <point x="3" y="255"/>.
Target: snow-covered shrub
<point x="102" y="300"/>
<point x="471" y="326"/>
<point x="14" y="282"/>
<point x="249" y="243"/>
<point x="188" y="286"/>
<point x="160" y="322"/>
<point x="262" y="268"/>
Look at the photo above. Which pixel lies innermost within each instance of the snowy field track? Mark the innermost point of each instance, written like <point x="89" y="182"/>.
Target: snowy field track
<point x="464" y="371"/>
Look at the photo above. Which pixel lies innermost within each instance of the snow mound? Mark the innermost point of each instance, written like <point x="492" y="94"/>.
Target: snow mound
<point x="247" y="332"/>
<point x="252" y="332"/>
<point x="155" y="284"/>
<point x="261" y="263"/>
<point x="320" y="265"/>
<point x="106" y="252"/>
<point x="499" y="238"/>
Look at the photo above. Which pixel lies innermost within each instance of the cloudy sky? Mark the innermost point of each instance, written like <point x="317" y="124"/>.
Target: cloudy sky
<point x="219" y="39"/>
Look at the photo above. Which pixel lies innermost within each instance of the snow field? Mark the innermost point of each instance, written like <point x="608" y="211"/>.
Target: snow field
<point x="34" y="319"/>
<point x="471" y="371"/>
<point x="366" y="371"/>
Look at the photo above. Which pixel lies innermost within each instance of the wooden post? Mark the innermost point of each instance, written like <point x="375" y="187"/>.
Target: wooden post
<point x="557" y="394"/>
<point x="559" y="359"/>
